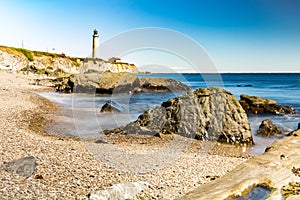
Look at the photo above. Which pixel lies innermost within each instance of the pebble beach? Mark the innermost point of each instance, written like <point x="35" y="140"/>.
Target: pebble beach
<point x="71" y="167"/>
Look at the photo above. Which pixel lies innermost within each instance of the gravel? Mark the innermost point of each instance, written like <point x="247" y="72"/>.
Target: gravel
<point x="71" y="168"/>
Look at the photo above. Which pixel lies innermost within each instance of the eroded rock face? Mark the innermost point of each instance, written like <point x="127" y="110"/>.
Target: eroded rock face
<point x="100" y="66"/>
<point x="208" y="114"/>
<point x="258" y="105"/>
<point x="65" y="84"/>
<point x="267" y="128"/>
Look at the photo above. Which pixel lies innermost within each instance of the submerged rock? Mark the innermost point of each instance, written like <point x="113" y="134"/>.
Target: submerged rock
<point x="258" y="105"/>
<point x="267" y="128"/>
<point x="24" y="166"/>
<point x="121" y="191"/>
<point x="207" y="114"/>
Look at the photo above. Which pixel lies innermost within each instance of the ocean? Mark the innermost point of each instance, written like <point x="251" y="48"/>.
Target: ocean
<point x="81" y="114"/>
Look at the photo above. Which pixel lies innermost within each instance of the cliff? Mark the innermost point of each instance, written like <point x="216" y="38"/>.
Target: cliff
<point x="55" y="65"/>
<point x="99" y="65"/>
<point x="37" y="62"/>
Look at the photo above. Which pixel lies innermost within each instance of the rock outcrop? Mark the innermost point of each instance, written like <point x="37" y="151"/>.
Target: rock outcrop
<point x="274" y="169"/>
<point x="64" y="84"/>
<point x="24" y="166"/>
<point x="267" y="128"/>
<point x="207" y="114"/>
<point x="106" y="82"/>
<point x="258" y="105"/>
<point x="114" y="83"/>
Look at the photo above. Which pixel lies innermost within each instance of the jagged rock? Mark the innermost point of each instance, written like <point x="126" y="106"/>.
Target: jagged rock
<point x="298" y="126"/>
<point x="212" y="114"/>
<point x="267" y="128"/>
<point x="121" y="191"/>
<point x="258" y="105"/>
<point x="65" y="84"/>
<point x="24" y="166"/>
<point x="111" y="106"/>
<point x="161" y="85"/>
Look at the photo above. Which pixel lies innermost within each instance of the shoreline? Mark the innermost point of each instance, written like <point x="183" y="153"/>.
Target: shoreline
<point x="68" y="167"/>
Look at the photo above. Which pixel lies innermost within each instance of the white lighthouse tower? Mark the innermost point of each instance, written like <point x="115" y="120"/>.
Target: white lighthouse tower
<point x="95" y="43"/>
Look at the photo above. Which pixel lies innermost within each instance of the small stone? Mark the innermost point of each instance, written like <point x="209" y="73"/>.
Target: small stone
<point x="120" y="191"/>
<point x="38" y="176"/>
<point x="24" y="166"/>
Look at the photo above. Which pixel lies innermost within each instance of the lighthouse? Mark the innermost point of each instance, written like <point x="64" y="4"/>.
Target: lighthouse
<point x="95" y="43"/>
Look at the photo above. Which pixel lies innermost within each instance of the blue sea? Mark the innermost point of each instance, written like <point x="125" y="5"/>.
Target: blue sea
<point x="82" y="117"/>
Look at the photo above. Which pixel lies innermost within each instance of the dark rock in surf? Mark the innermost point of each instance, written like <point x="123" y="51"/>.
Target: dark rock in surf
<point x="247" y="85"/>
<point x="207" y="114"/>
<point x="267" y="128"/>
<point x="112" y="106"/>
<point x="259" y="105"/>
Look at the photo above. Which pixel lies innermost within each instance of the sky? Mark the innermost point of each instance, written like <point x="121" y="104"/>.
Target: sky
<point x="237" y="35"/>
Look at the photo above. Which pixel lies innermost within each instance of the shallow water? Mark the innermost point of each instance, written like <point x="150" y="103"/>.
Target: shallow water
<point x="257" y="193"/>
<point x="85" y="120"/>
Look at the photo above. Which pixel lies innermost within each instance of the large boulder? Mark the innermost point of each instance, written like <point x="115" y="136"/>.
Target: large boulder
<point x="258" y="105"/>
<point x="207" y="114"/>
<point x="161" y="85"/>
<point x="106" y="82"/>
<point x="267" y="128"/>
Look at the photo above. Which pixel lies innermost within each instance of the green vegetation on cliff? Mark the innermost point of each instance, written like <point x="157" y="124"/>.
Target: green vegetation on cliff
<point x="29" y="55"/>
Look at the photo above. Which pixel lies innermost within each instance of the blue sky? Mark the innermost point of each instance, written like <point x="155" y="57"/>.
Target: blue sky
<point x="238" y="35"/>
